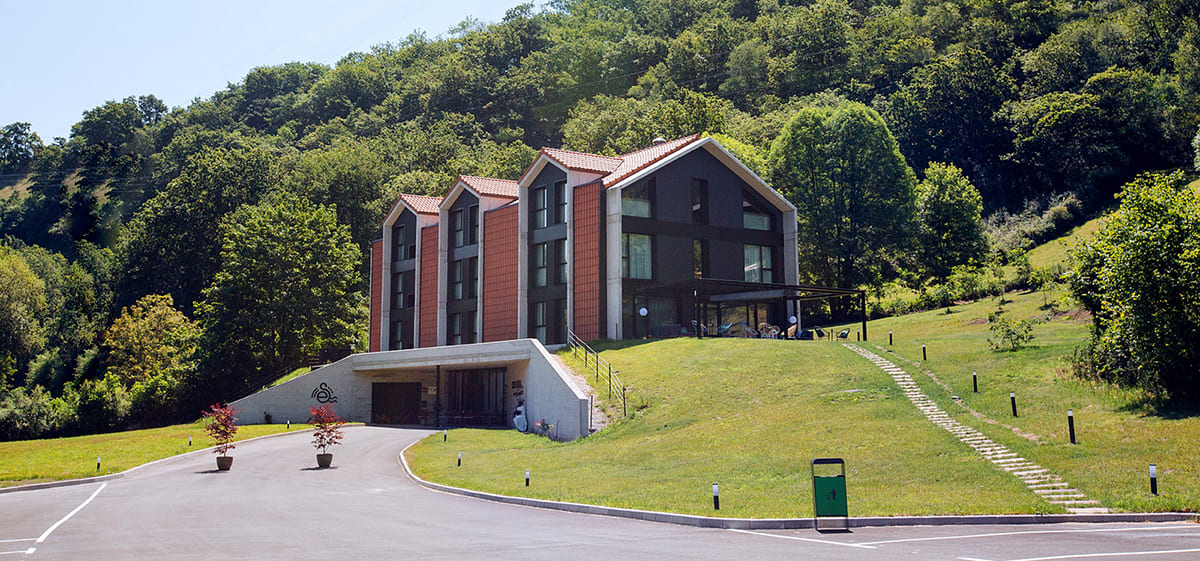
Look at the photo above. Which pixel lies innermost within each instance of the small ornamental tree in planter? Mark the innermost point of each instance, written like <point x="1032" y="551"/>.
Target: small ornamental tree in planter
<point x="221" y="428"/>
<point x="328" y="432"/>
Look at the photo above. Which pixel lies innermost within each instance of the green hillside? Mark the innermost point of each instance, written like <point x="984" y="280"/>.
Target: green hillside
<point x="751" y="414"/>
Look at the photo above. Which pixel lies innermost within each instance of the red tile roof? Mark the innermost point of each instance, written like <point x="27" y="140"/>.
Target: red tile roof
<point x="491" y="187"/>
<point x="421" y="204"/>
<point x="636" y="161"/>
<point x="582" y="161"/>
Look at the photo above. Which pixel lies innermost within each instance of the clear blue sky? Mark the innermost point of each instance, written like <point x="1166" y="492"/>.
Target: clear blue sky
<point x="59" y="59"/>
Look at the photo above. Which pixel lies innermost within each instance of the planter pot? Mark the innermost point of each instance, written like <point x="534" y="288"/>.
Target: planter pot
<point x="324" y="460"/>
<point x="224" y="462"/>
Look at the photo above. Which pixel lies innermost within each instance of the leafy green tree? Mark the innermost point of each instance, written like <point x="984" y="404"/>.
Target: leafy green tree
<point x="151" y="348"/>
<point x="843" y="170"/>
<point x="948" y="213"/>
<point x="285" y="288"/>
<point x="18" y="147"/>
<point x="1064" y="140"/>
<point x="22" y="303"/>
<point x="1140" y="279"/>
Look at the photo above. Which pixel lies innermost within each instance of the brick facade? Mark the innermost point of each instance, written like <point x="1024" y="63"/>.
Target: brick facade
<point x="377" y="274"/>
<point x="501" y="262"/>
<point x="586" y="221"/>
<point x="429" y="287"/>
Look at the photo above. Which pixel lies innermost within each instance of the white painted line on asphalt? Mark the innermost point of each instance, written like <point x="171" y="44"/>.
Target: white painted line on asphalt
<point x="1030" y="532"/>
<point x="798" y="538"/>
<point x="18" y="540"/>
<point x="11" y="552"/>
<point x="51" y="529"/>
<point x="1113" y="554"/>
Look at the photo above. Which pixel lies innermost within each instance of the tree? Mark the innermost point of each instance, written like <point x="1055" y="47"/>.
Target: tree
<point x="18" y="147"/>
<point x="842" y="169"/>
<point x="1140" y="279"/>
<point x="151" y="347"/>
<point x="1065" y="140"/>
<point x="22" y="303"/>
<point x="948" y="214"/>
<point x="285" y="288"/>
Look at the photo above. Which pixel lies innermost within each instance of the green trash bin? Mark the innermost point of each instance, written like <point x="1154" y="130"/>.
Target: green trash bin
<point x="829" y="494"/>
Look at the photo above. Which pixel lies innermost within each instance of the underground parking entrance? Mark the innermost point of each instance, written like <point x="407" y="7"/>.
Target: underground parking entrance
<point x="456" y="398"/>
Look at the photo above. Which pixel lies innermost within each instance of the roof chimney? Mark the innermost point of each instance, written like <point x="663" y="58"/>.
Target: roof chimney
<point x="658" y="140"/>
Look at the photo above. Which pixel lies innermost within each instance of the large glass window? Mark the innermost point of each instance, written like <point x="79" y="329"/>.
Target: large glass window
<point x="699" y="201"/>
<point x="396" y="334"/>
<point x="457" y="227"/>
<point x="753" y="217"/>
<point x="538" y="325"/>
<point x="758" y="264"/>
<point x="637" y="256"/>
<point x="458" y="279"/>
<point x="456" y="329"/>
<point x="635" y="200"/>
<point x="539" y="263"/>
<point x="540" y="208"/>
<point x="560" y="202"/>
<point x="560" y="255"/>
<point x="398" y="290"/>
<point x="399" y="243"/>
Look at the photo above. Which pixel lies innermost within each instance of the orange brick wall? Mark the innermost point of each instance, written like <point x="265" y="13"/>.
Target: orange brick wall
<point x="585" y="268"/>
<point x="377" y="273"/>
<point x="429" y="287"/>
<point x="500" y="262"/>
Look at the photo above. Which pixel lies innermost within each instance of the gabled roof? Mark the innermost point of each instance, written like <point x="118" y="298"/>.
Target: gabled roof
<point x="491" y="187"/>
<point x="421" y="204"/>
<point x="581" y="161"/>
<point x="636" y="161"/>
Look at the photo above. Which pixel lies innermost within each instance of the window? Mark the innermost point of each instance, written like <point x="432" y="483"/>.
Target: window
<point x="540" y="208"/>
<point x="560" y="202"/>
<point x="700" y="258"/>
<point x="636" y="256"/>
<point x="753" y="217"/>
<point x="398" y="291"/>
<point x="758" y="264"/>
<point x="635" y="200"/>
<point x="699" y="201"/>
<point x="456" y="329"/>
<point x="538" y="325"/>
<point x="399" y="243"/>
<point x="473" y="231"/>
<point x="560" y="326"/>
<point x="457" y="227"/>
<point x="472" y="277"/>
<point x="539" y="263"/>
<point x="397" y="336"/>
<point x="468" y="327"/>
<point x="457" y="279"/>
<point x="560" y="253"/>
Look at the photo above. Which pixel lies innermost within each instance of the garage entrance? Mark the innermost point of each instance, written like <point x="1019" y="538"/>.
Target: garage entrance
<point x="395" y="403"/>
<point x="475" y="398"/>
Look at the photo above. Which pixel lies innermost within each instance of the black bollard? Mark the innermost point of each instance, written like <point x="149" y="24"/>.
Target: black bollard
<point x="526" y="478"/>
<point x="460" y="459"/>
<point x="889" y="338"/>
<point x="1012" y="396"/>
<point x="975" y="381"/>
<point x="1153" y="479"/>
<point x="716" y="498"/>
<point x="924" y="357"/>
<point x="1071" y="424"/>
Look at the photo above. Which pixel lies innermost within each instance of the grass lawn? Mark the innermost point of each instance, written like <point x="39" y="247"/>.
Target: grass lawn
<point x="749" y="415"/>
<point x="35" y="461"/>
<point x="1119" y="432"/>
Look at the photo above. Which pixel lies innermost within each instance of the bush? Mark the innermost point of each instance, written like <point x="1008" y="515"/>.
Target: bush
<point x="29" y="414"/>
<point x="1010" y="335"/>
<point x="1040" y="220"/>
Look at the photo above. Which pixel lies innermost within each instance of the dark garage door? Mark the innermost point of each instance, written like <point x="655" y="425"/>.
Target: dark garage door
<point x="395" y="403"/>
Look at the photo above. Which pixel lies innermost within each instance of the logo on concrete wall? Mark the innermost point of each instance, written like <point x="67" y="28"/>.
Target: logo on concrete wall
<point x="324" y="394"/>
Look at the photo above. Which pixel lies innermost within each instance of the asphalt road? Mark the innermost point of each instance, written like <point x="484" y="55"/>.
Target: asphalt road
<point x="273" y="505"/>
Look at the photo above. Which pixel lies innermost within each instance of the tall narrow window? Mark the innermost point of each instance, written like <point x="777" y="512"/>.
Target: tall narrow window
<point x="473" y="225"/>
<point x="539" y="263"/>
<point x="457" y="227"/>
<point x="473" y="277"/>
<point x="560" y="256"/>
<point x="397" y="336"/>
<point x="469" y="327"/>
<point x="456" y="329"/>
<point x="397" y="291"/>
<point x="699" y="201"/>
<point x="560" y="202"/>
<point x="758" y="264"/>
<point x="399" y="243"/>
<point x="457" y="279"/>
<point x="700" y="258"/>
<point x="560" y="324"/>
<point x="636" y="256"/>
<point x="540" y="208"/>
<point x="539" y="321"/>
<point x="753" y="217"/>
<point x="636" y="200"/>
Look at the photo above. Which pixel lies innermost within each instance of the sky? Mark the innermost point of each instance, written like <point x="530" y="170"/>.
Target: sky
<point x="59" y="59"/>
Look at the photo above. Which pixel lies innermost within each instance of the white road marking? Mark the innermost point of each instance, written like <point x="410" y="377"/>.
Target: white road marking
<point x="972" y="559"/>
<point x="798" y="538"/>
<point x="1114" y="554"/>
<point x="11" y="552"/>
<point x="51" y="529"/>
<point x="998" y="534"/>
<point x="18" y="540"/>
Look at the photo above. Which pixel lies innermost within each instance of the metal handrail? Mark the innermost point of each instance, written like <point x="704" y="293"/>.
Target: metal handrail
<point x="602" y="367"/>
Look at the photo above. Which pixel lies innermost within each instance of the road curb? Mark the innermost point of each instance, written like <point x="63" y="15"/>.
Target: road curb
<point x="799" y="523"/>
<point x="111" y="476"/>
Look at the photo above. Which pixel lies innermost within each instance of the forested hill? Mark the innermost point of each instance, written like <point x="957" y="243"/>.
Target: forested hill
<point x="1023" y="100"/>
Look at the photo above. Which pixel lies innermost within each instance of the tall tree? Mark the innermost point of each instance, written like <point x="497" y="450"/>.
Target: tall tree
<point x="286" y="287"/>
<point x="948" y="216"/>
<point x="843" y="170"/>
<point x="18" y="146"/>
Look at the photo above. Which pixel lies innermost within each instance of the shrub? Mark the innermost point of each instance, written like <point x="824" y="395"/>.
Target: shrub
<point x="1010" y="335"/>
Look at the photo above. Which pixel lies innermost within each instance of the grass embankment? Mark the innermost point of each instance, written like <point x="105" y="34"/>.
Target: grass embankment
<point x="1119" y="431"/>
<point x="36" y="461"/>
<point x="749" y="415"/>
